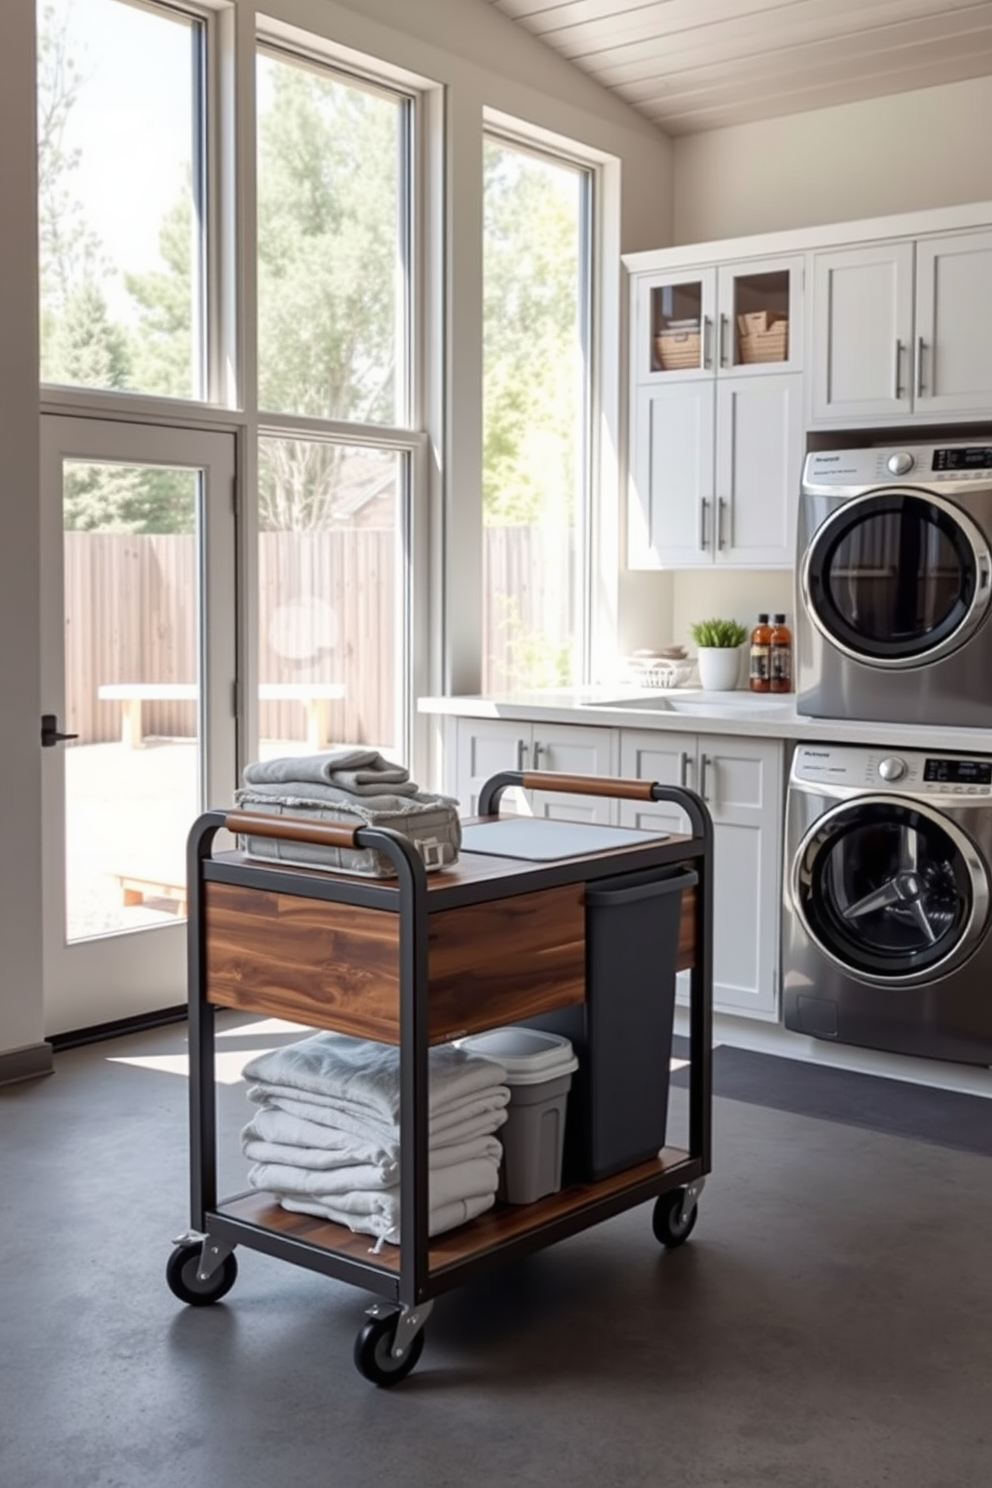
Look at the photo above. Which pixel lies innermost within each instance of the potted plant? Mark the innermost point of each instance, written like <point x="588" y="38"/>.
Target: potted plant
<point x="719" y="643"/>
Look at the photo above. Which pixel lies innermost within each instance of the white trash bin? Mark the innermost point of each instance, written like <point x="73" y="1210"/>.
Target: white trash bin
<point x="539" y="1068"/>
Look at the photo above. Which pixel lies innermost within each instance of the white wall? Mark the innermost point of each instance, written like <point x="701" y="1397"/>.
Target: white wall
<point x="930" y="148"/>
<point x="20" y="710"/>
<point x="482" y="60"/>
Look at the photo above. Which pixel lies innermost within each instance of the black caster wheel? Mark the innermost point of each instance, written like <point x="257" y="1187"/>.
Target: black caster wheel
<point x="181" y="1271"/>
<point x="670" y="1228"/>
<point x="373" y="1356"/>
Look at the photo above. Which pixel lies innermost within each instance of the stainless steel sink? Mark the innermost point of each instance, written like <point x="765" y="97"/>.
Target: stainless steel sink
<point x="701" y="705"/>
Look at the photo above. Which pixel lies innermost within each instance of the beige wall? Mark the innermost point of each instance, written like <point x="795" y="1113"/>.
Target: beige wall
<point x="910" y="151"/>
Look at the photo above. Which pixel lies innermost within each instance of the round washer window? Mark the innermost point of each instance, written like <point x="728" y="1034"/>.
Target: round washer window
<point x="884" y="889"/>
<point x="892" y="578"/>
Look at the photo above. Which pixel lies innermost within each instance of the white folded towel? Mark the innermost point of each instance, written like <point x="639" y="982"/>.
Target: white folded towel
<point x="342" y="1169"/>
<point x="360" y="771"/>
<point x="478" y="1173"/>
<point x="472" y="1117"/>
<point x="328" y="1145"/>
<point x="365" y="1076"/>
<point x="386" y="1225"/>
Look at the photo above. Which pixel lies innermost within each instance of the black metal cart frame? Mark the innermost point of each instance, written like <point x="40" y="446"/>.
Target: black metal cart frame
<point x="204" y="1255"/>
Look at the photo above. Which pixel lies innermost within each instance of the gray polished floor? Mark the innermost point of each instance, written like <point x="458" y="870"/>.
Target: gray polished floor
<point x="828" y="1323"/>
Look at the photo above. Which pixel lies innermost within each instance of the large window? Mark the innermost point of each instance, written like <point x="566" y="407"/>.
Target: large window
<point x="535" y="409"/>
<point x="336" y="456"/>
<point x="121" y="196"/>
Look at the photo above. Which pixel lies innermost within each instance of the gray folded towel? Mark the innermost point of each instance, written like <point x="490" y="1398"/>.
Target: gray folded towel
<point x="387" y="798"/>
<point x="363" y="772"/>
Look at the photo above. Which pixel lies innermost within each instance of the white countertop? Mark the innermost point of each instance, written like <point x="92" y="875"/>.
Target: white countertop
<point x="689" y="709"/>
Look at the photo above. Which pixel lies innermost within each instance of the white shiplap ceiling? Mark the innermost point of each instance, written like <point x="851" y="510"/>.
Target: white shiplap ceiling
<point x="702" y="64"/>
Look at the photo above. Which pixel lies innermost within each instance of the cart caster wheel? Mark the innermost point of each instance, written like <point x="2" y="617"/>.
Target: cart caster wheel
<point x="670" y="1227"/>
<point x="181" y="1271"/>
<point x="373" y="1352"/>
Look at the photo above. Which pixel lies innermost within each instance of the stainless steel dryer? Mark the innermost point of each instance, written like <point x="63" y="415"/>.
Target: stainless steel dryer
<point x="886" y="937"/>
<point x="895" y="582"/>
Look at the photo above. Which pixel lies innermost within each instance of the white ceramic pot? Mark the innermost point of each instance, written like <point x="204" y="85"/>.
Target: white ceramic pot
<point x="719" y="667"/>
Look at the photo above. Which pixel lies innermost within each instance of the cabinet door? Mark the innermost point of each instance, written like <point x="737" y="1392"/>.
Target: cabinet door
<point x="759" y="319"/>
<point x="666" y="757"/>
<point x="953" y="347"/>
<point x="485" y="747"/>
<point x="741" y="782"/>
<point x="862" y="332"/>
<point x="571" y="750"/>
<point x="672" y="515"/>
<point x="673" y="334"/>
<point x="759" y="457"/>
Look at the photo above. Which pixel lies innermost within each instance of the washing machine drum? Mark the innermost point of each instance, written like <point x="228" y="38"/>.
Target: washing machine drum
<point x="890" y="890"/>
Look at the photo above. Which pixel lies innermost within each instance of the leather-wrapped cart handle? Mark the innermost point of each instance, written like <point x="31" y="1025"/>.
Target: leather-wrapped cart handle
<point x="597" y="785"/>
<point x="290" y="829"/>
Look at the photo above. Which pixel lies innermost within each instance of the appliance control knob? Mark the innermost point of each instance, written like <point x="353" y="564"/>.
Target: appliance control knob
<point x="892" y="768"/>
<point x="900" y="463"/>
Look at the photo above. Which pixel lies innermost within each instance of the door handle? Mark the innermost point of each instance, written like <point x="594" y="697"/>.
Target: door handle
<point x="704" y="761"/>
<point x="721" y="507"/>
<point x="521" y="755"/>
<point x="683" y="768"/>
<point x="898" y="387"/>
<point x="50" y="735"/>
<point x="539" y="749"/>
<point x="920" y="347"/>
<point x="707" y="341"/>
<point x="723" y="340"/>
<point x="703" y="509"/>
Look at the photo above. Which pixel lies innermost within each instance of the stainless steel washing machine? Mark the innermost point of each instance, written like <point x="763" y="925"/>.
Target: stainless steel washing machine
<point x="895" y="581"/>
<point x="886" y="937"/>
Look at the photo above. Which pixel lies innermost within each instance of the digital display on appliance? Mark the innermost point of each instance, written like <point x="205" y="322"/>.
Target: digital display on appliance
<point x="958" y="772"/>
<point x="965" y="457"/>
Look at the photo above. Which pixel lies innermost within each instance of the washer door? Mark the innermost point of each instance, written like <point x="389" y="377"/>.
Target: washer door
<point x="897" y="578"/>
<point x="890" y="890"/>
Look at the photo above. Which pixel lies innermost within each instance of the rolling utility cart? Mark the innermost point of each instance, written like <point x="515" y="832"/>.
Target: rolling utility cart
<point x="422" y="959"/>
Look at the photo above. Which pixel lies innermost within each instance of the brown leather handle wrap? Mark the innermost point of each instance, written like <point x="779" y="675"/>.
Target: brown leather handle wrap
<point x="587" y="785"/>
<point x="290" y="828"/>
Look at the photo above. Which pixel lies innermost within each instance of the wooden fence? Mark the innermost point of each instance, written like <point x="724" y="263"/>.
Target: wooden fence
<point x="327" y="613"/>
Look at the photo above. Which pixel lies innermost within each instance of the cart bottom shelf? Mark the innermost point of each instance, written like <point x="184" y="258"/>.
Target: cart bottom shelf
<point x="491" y="1231"/>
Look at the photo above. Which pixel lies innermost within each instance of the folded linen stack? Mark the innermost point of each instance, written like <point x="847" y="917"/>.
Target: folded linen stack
<point x="326" y="1140"/>
<point x="354" y="788"/>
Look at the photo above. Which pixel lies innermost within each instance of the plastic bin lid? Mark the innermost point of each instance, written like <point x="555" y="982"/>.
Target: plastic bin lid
<point x="529" y="1055"/>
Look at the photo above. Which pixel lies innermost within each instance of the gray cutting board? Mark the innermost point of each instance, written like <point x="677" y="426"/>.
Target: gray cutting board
<point x="541" y="841"/>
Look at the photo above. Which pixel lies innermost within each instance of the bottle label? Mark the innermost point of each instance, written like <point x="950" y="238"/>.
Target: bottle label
<point x="781" y="664"/>
<point x="760" y="669"/>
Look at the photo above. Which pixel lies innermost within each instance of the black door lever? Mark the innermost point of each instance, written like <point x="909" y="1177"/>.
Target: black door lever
<point x="50" y="735"/>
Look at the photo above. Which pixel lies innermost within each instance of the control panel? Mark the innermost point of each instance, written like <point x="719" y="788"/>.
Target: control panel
<point x="918" y="464"/>
<point x="910" y="772"/>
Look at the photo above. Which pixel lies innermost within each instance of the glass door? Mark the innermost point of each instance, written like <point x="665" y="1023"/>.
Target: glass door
<point x="887" y="890"/>
<point x="138" y="677"/>
<point x="897" y="579"/>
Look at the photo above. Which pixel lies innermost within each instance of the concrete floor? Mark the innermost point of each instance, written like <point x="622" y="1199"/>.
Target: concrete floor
<point x="827" y="1325"/>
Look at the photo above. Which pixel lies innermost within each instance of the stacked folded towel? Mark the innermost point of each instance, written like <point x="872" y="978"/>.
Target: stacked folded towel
<point x="355" y="788"/>
<point x="326" y="1140"/>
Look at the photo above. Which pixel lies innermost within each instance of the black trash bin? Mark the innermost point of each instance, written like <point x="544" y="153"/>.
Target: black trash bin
<point x="622" y="1033"/>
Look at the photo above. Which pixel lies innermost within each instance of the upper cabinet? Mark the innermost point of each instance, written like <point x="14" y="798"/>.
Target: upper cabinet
<point x="903" y="330"/>
<point x="723" y="320"/>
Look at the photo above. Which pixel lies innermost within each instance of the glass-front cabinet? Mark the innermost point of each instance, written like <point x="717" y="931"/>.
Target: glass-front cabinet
<point x="732" y="319"/>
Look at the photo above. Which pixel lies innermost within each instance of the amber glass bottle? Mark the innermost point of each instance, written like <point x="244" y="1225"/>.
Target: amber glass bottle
<point x="759" y="671"/>
<point x="781" y="656"/>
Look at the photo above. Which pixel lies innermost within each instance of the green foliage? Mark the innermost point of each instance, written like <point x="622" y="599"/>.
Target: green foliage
<point x="720" y="633"/>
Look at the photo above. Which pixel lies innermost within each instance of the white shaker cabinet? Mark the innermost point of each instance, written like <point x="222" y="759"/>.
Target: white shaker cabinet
<point x="715" y="471"/>
<point x="486" y="746"/>
<point x="903" y="330"/>
<point x="741" y="781"/>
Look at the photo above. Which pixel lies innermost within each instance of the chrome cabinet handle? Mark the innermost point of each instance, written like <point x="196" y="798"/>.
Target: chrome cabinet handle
<point x="723" y="340"/>
<point x="703" y="510"/>
<point x="920" y="346"/>
<point x="898" y="386"/>
<point x="707" y="341"/>
<point x="521" y="754"/>
<point x="539" y="749"/>
<point x="704" y="761"/>
<point x="683" y="767"/>
<point x="721" y="507"/>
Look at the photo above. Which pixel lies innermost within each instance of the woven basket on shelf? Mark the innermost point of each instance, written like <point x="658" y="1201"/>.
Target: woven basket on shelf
<point x="658" y="671"/>
<point x="763" y="337"/>
<point x="674" y="349"/>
